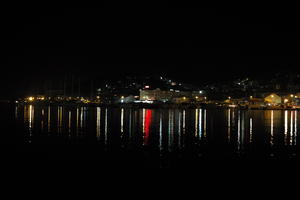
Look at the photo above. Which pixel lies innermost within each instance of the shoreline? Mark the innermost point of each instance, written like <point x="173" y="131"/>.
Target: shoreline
<point x="151" y="106"/>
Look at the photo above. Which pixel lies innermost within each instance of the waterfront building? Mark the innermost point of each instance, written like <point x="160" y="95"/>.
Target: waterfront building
<point x="171" y="96"/>
<point x="273" y="99"/>
<point x="256" y="103"/>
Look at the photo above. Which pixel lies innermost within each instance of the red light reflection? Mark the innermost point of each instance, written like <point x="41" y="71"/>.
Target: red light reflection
<point x="148" y="118"/>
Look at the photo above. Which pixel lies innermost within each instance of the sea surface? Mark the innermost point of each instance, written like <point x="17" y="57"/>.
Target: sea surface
<point x="150" y="137"/>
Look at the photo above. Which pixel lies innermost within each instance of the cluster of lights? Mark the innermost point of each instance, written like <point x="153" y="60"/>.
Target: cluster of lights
<point x="30" y="98"/>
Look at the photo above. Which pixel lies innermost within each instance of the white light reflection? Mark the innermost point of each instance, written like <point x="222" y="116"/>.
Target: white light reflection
<point x="49" y="119"/>
<point x="228" y="124"/>
<point x="160" y="132"/>
<point x="196" y="122"/>
<point x="122" y="120"/>
<point x="77" y="120"/>
<point x="239" y="130"/>
<point x="272" y="127"/>
<point x="98" y="122"/>
<point x="179" y="129"/>
<point x="295" y="128"/>
<point x="291" y="129"/>
<point x="130" y="123"/>
<point x="42" y="120"/>
<point x="200" y="124"/>
<point x="171" y="130"/>
<point x="81" y="117"/>
<point x="242" y="129"/>
<point x="183" y="122"/>
<point x="205" y="123"/>
<point x="285" y="126"/>
<point x="105" y="126"/>
<point x="251" y="129"/>
<point x="143" y="122"/>
<point x="16" y="112"/>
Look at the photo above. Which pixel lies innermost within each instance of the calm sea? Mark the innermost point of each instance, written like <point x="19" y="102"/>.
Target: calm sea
<point x="154" y="137"/>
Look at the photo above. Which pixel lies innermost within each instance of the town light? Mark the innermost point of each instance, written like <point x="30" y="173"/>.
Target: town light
<point x="30" y="98"/>
<point x="251" y="97"/>
<point x="196" y="97"/>
<point x="292" y="95"/>
<point x="286" y="100"/>
<point x="272" y="96"/>
<point x="229" y="97"/>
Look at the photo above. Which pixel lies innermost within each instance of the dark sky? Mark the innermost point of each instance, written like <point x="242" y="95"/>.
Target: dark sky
<point x="192" y="44"/>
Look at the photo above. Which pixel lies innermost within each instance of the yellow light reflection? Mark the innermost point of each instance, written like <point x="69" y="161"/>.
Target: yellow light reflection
<point x="70" y="122"/>
<point x="31" y="116"/>
<point x="196" y="122"/>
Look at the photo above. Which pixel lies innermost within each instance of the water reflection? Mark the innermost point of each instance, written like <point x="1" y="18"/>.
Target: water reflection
<point x="251" y="129"/>
<point x="272" y="127"/>
<point x="166" y="129"/>
<point x="228" y="124"/>
<point x="98" y="127"/>
<point x="160" y="132"/>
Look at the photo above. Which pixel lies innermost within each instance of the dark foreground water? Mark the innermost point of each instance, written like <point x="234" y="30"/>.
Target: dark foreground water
<point x="152" y="137"/>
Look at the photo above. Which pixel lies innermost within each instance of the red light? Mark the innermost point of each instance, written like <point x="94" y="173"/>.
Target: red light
<point x="148" y="118"/>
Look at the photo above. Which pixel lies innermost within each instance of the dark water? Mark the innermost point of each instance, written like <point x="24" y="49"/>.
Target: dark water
<point x="155" y="137"/>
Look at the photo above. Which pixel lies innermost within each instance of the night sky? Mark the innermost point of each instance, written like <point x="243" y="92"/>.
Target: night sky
<point x="196" y="45"/>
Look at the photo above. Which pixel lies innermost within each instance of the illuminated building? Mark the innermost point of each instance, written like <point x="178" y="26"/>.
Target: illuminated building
<point x="171" y="95"/>
<point x="273" y="99"/>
